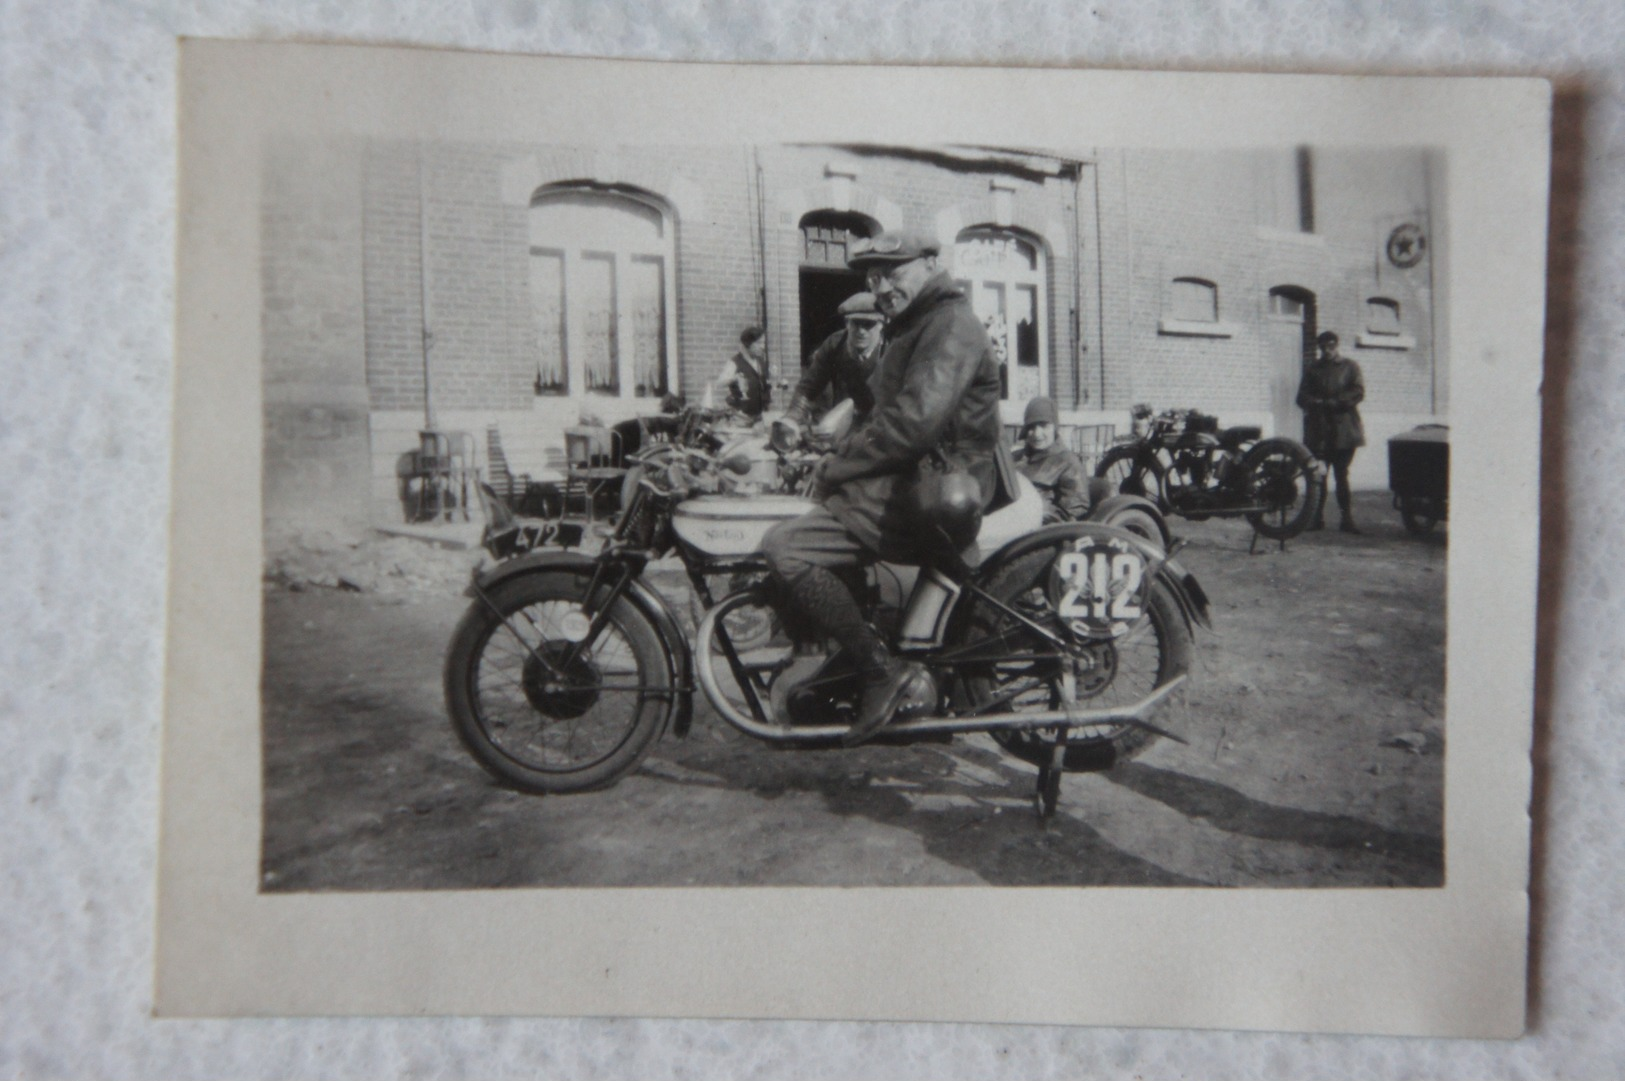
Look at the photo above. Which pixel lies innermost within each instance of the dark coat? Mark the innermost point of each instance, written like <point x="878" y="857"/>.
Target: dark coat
<point x="1329" y="396"/>
<point x="1060" y="478"/>
<point x="834" y="369"/>
<point x="936" y="390"/>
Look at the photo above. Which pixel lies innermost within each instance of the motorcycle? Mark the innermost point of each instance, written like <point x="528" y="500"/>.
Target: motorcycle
<point x="1063" y="643"/>
<point x="1189" y="467"/>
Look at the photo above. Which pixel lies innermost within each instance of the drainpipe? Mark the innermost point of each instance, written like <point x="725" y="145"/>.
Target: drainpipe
<point x="423" y="286"/>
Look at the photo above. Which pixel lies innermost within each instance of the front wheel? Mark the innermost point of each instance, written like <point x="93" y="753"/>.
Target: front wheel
<point x="1280" y="475"/>
<point x="542" y="706"/>
<point x="1034" y="674"/>
<point x="1128" y="472"/>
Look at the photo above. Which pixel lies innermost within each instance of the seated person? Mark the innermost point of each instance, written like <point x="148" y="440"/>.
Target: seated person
<point x="1055" y="471"/>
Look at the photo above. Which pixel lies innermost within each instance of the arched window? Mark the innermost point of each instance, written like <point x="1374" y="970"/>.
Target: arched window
<point x="1382" y="316"/>
<point x="601" y="289"/>
<point x="1003" y="273"/>
<point x="1193" y="300"/>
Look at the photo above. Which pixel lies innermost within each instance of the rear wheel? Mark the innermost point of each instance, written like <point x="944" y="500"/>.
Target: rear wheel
<point x="1037" y="675"/>
<point x="541" y="707"/>
<point x="1281" y="475"/>
<point x="1131" y="473"/>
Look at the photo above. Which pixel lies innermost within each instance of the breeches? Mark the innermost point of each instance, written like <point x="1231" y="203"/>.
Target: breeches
<point x="816" y="539"/>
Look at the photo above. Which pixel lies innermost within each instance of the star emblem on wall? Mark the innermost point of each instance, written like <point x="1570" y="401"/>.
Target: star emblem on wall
<point x="1406" y="245"/>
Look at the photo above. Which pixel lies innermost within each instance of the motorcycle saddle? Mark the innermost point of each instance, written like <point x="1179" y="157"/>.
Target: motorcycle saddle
<point x="1231" y="438"/>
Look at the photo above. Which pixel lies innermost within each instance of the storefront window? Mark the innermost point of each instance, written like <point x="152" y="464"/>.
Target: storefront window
<point x="1003" y="273"/>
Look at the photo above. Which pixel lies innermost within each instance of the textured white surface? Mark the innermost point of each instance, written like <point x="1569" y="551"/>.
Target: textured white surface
<point x="86" y="243"/>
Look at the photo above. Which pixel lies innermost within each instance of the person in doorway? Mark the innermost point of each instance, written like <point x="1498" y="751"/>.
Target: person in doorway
<point x="1330" y="396"/>
<point x="901" y="483"/>
<point x="841" y="366"/>
<point x="1055" y="470"/>
<point x="744" y="376"/>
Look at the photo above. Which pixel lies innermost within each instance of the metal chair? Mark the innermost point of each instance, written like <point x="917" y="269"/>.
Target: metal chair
<point x="590" y="452"/>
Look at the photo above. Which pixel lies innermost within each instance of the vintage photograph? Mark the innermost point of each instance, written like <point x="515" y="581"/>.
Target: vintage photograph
<point x="852" y="513"/>
<point x="1059" y="548"/>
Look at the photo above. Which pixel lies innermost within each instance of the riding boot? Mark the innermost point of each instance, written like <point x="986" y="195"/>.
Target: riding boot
<point x="828" y="604"/>
<point x="1346" y="511"/>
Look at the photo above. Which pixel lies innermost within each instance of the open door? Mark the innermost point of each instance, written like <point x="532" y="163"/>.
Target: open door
<point x="1291" y="336"/>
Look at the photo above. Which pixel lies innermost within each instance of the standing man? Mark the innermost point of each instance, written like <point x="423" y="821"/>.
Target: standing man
<point x="1055" y="471"/>
<point x="744" y="376"/>
<point x="1330" y="396"/>
<point x="936" y="406"/>
<point x="843" y="364"/>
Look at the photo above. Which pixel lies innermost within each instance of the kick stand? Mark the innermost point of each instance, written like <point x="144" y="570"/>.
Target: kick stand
<point x="1048" y="792"/>
<point x="1253" y="544"/>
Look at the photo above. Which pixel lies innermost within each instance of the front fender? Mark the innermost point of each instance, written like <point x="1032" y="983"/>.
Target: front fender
<point x="1192" y="598"/>
<point x="643" y="597"/>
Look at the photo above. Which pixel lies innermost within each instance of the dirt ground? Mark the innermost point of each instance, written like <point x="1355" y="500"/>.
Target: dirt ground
<point x="1315" y="753"/>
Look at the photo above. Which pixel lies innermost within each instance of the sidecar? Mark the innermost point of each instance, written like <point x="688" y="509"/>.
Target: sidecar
<point x="1419" y="476"/>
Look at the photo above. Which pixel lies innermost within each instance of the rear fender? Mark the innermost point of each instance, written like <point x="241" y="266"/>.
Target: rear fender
<point x="650" y="604"/>
<point x="1108" y="508"/>
<point x="1192" y="598"/>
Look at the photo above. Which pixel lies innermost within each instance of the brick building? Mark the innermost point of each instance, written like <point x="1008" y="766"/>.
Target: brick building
<point x="466" y="286"/>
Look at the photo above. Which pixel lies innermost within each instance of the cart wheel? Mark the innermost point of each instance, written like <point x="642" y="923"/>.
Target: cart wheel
<point x="1419" y="516"/>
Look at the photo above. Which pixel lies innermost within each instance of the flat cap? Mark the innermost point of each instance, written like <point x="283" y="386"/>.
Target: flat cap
<point x="901" y="246"/>
<point x="860" y="306"/>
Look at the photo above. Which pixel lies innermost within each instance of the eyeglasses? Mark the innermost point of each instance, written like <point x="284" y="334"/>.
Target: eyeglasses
<point x="875" y="277"/>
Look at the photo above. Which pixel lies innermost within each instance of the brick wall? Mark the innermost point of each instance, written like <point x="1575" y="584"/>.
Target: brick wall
<point x="349" y="289"/>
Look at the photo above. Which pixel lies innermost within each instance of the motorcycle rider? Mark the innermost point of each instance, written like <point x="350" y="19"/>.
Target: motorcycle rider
<point x="1329" y="395"/>
<point x="936" y="409"/>
<point x="1055" y="470"/>
<point x="842" y="363"/>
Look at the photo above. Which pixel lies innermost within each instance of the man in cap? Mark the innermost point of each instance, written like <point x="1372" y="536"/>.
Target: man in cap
<point x="1055" y="471"/>
<point x="936" y="407"/>
<point x="843" y="363"/>
<point x="1330" y="395"/>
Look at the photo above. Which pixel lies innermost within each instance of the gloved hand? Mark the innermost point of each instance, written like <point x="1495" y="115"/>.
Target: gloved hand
<point x="821" y="488"/>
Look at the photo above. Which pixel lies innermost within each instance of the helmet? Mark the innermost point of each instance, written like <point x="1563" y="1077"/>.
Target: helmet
<point x="949" y="504"/>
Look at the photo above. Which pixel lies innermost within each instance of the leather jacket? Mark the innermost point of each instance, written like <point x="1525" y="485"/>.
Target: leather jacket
<point x="1060" y="478"/>
<point x="1329" y="396"/>
<point x="936" y="394"/>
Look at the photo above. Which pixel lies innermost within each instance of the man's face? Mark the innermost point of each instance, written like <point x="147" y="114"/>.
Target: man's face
<point x="896" y="287"/>
<point x="1040" y="436"/>
<point x="758" y="348"/>
<point x="1328" y="350"/>
<point x="863" y="334"/>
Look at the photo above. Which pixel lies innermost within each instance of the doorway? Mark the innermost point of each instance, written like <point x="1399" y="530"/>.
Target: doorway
<point x="1291" y="328"/>
<point x="826" y="280"/>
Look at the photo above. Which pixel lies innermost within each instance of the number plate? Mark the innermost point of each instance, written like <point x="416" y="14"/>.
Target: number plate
<point x="1098" y="588"/>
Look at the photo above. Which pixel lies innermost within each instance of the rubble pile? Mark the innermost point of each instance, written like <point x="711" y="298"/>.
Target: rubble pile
<point x="390" y="566"/>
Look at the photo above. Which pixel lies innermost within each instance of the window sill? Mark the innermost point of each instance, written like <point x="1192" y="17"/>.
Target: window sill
<point x="1385" y="341"/>
<point x="1308" y="240"/>
<point x="1191" y="328"/>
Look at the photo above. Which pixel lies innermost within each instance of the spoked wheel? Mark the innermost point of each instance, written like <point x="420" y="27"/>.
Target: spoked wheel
<point x="1281" y="475"/>
<point x="1092" y="673"/>
<point x="544" y="708"/>
<point x="1129" y="473"/>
